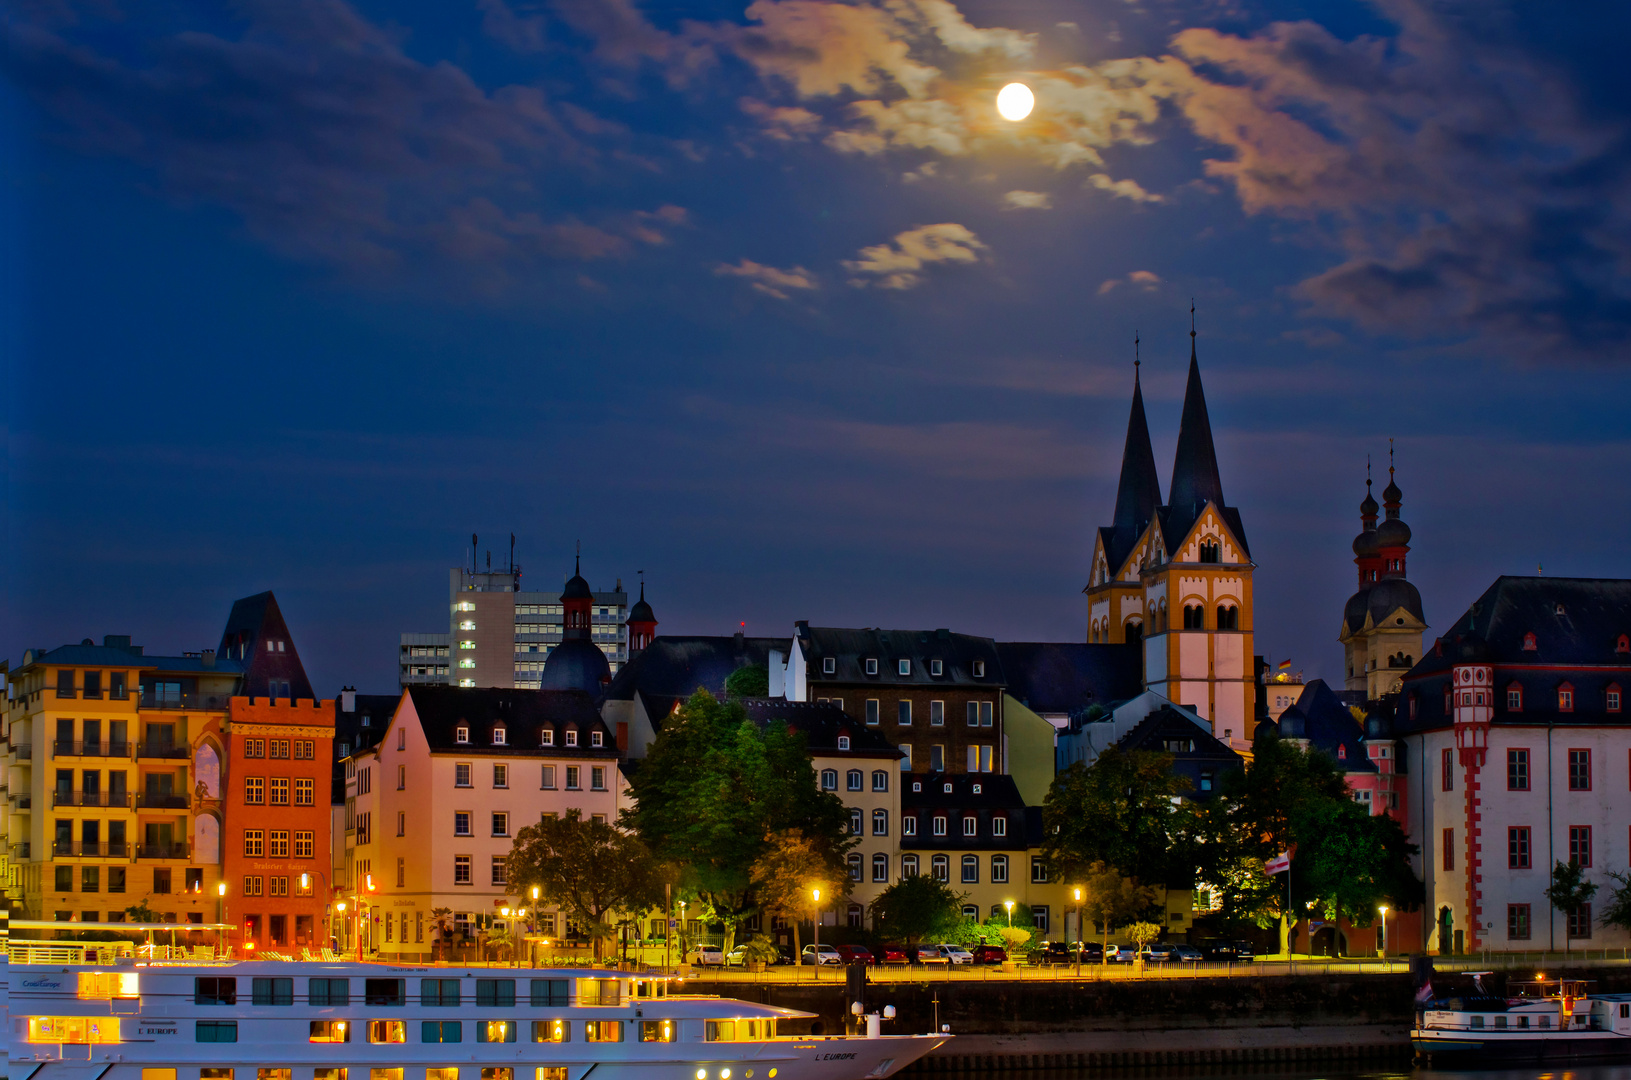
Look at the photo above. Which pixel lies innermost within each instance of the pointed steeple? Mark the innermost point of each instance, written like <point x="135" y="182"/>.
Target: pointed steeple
<point x="1139" y="491"/>
<point x="1195" y="479"/>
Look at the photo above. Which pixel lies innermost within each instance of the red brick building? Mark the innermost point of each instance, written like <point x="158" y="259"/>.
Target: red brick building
<point x="277" y="780"/>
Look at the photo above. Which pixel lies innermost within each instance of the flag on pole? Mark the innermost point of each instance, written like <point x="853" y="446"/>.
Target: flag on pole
<point x="1279" y="864"/>
<point x="1284" y="664"/>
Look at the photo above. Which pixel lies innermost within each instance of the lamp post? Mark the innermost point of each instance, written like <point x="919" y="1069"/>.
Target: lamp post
<point x="685" y="954"/>
<point x="221" y="911"/>
<point x="1079" y="935"/>
<point x="340" y="908"/>
<point x="817" y="894"/>
<point x="328" y="898"/>
<point x="1009" y="904"/>
<point x="532" y="926"/>
<point x="1382" y="947"/>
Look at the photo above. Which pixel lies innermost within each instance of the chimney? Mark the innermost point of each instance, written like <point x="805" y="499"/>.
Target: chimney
<point x="348" y="699"/>
<point x="206" y="659"/>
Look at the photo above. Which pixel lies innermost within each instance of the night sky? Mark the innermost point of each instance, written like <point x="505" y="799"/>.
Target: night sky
<point x="770" y="304"/>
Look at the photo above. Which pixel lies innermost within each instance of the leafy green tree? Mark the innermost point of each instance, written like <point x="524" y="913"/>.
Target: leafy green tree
<point x="1141" y="933"/>
<point x="787" y="873"/>
<point x="588" y="869"/>
<point x="1110" y="899"/>
<point x="1617" y="912"/>
<point x="752" y="681"/>
<point x="441" y="924"/>
<point x="1119" y="811"/>
<point x="714" y="788"/>
<point x="914" y="908"/>
<point x="1569" y="891"/>
<point x="1353" y="861"/>
<point x="142" y="913"/>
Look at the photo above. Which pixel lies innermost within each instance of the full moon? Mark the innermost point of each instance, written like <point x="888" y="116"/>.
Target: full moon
<point x="1014" y="101"/>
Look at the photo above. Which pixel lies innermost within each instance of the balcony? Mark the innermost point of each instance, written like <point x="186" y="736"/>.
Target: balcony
<point x="154" y="800"/>
<point x="76" y="849"/>
<point x="94" y="748"/>
<point x="161" y="750"/>
<point x="24" y="751"/>
<point x="90" y="798"/>
<point x="24" y="802"/>
<point x="21" y="852"/>
<point x="184" y="700"/>
<point x="177" y="850"/>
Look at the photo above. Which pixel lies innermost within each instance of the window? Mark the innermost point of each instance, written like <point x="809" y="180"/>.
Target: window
<point x="1517" y="922"/>
<point x="461" y="774"/>
<point x="548" y="780"/>
<point x="1579" y="770"/>
<point x="277" y="844"/>
<point x="940" y="868"/>
<point x="603" y="1030"/>
<point x="855" y="821"/>
<point x="255" y="790"/>
<point x="852" y="780"/>
<point x="1228" y="617"/>
<point x="597" y="778"/>
<point x="387" y="1031"/>
<point x="872" y="711"/>
<point x="1517" y="770"/>
<point x="501" y="776"/>
<point x="216" y="1031"/>
<point x="597" y="739"/>
<point x="853" y="861"/>
<point x="829" y="779"/>
<point x="985" y="714"/>
<point x="657" y="1031"/>
<point x="1194" y="617"/>
<point x="1565" y="699"/>
<point x="979" y="669"/>
<point x="254" y="748"/>
<point x="330" y="1031"/>
<point x="843" y="742"/>
<point x="215" y="991"/>
<point x="573" y="774"/>
<point x="272" y="992"/>
<point x="880" y="780"/>
<point x="871" y="665"/>
<point x="501" y="824"/>
<point x="278" y="791"/>
<point x="1517" y="847"/>
<point x="971" y="869"/>
<point x="461" y="823"/>
<point x="880" y="823"/>
<point x="1580" y="845"/>
<point x="496" y="994"/>
<point x="546" y="737"/>
<point x="1447" y="768"/>
<point x="937" y="714"/>
<point x="1514" y="698"/>
<point x="440" y="1031"/>
<point x="903" y="667"/>
<point x="908" y="824"/>
<point x="1611" y="697"/>
<point x="329" y="991"/>
<point x="254" y="843"/>
<point x="1447" y="844"/>
<point x="461" y="869"/>
<point x="1039" y="870"/>
<point x="880" y="868"/>
<point x="999" y="869"/>
<point x="551" y="1031"/>
<point x="971" y="825"/>
<point x="1580" y="922"/>
<point x="461" y="734"/>
<point x="549" y="994"/>
<point x="973" y="709"/>
<point x="940" y="825"/>
<point x="829" y="665"/>
<point x="905" y="757"/>
<point x="999" y="825"/>
<point x="1039" y="917"/>
<point x="305" y="790"/>
<point x="903" y="713"/>
<point x="908" y="866"/>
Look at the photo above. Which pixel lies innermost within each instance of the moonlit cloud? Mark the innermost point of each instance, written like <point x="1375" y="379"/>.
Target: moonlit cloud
<point x="768" y="279"/>
<point x="1143" y="280"/>
<point x="896" y="265"/>
<point x="1028" y="200"/>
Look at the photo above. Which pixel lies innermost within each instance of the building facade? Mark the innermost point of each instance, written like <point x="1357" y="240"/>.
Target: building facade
<point x="1382" y="623"/>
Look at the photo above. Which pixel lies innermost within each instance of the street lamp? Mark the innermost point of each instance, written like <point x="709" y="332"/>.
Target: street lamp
<point x="1382" y="949"/>
<point x="1009" y="904"/>
<point x="532" y="926"/>
<point x="1080" y="937"/>
<point x="221" y="910"/>
<point x="817" y="894"/>
<point x="328" y="899"/>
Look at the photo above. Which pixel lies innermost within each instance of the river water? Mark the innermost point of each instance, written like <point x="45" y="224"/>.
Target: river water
<point x="1260" y="1072"/>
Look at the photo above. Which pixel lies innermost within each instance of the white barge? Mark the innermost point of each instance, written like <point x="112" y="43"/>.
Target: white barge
<point x="268" y="1020"/>
<point x="1543" y="1020"/>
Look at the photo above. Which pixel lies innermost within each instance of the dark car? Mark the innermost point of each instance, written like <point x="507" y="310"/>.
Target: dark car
<point x="989" y="954"/>
<point x="785" y="955"/>
<point x="1229" y="951"/>
<point x="1057" y="953"/>
<point x="892" y="954"/>
<point x="855" y="954"/>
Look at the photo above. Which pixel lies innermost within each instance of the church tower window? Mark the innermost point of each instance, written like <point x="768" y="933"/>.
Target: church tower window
<point x="1194" y="617"/>
<point x="1211" y="551"/>
<point x="1228" y="617"/>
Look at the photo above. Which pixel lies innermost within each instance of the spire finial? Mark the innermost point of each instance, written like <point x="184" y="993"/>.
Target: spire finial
<point x="577" y="560"/>
<point x="1367" y="472"/>
<point x="1390" y="459"/>
<point x="642" y="574"/>
<point x="1191" y="316"/>
<point x="1135" y="355"/>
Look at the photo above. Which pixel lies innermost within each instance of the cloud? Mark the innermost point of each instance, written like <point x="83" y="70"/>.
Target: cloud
<point x="1028" y="200"/>
<point x="768" y="279"/>
<point x="895" y="265"/>
<point x="1122" y="189"/>
<point x="1143" y="280"/>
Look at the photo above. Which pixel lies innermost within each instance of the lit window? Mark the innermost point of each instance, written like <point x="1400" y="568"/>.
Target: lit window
<point x="499" y="735"/>
<point x="461" y="734"/>
<point x="903" y="667"/>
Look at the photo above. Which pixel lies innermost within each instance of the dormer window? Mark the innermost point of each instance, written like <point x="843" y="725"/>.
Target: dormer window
<point x="499" y="735"/>
<point x="1529" y="643"/>
<point x="935" y="667"/>
<point x="597" y="739"/>
<point x="903" y="667"/>
<point x="546" y="737"/>
<point x="946" y="788"/>
<point x="979" y="669"/>
<point x="917" y="785"/>
<point x="976" y="789"/>
<point x="571" y="736"/>
<point x="829" y="665"/>
<point x="843" y="742"/>
<point x="1623" y="645"/>
<point x="1559" y="609"/>
<point x="1611" y="697"/>
<point x="1565" y="698"/>
<point x="1342" y="753"/>
<point x="872" y="665"/>
<point x="461" y="734"/>
<point x="1514" y="698"/>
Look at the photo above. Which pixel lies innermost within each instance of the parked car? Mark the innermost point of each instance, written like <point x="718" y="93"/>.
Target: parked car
<point x="855" y="954"/>
<point x="1229" y="950"/>
<point x="737" y="957"/>
<point x="891" y="954"/>
<point x="815" y="955"/>
<point x="955" y="954"/>
<point x="1120" y="954"/>
<point x="929" y="954"/>
<point x="706" y="956"/>
<point x="785" y="955"/>
<point x="989" y="954"/>
<point x="1056" y="953"/>
<point x="1188" y="954"/>
<point x="1158" y="952"/>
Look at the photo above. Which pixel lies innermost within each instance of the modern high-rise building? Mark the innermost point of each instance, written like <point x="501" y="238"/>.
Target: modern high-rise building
<point x="499" y="635"/>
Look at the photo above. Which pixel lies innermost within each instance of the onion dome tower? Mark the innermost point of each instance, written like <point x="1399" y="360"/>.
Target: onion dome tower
<point x="1382" y="623"/>
<point x="577" y="663"/>
<point x="642" y="624"/>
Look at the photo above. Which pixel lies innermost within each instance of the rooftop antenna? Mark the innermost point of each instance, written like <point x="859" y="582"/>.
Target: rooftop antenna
<point x="512" y="553"/>
<point x="474" y="545"/>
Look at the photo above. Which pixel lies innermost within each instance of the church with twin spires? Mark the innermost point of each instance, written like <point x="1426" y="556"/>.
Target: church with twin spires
<point x="1177" y="575"/>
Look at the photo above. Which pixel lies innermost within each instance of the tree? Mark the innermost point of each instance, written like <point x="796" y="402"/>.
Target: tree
<point x="752" y="681"/>
<point x="1119" y="811"/>
<point x="1569" y="891"/>
<point x="586" y="868"/>
<point x="441" y="925"/>
<point x="1109" y="899"/>
<point x="1142" y="933"/>
<point x="914" y="908"/>
<point x="785" y="876"/>
<point x="1353" y="861"/>
<point x="1617" y="912"/>
<point x="714" y="788"/>
<point x="141" y="913"/>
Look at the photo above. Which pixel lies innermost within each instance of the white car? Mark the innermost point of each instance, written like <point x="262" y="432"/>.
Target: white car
<point x="706" y="956"/>
<point x="955" y="954"/>
<point x="823" y="954"/>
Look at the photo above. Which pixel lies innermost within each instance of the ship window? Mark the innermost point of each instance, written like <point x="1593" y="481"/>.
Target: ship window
<point x="273" y="991"/>
<point x="213" y="1074"/>
<point x="330" y="1031"/>
<point x="1500" y="1021"/>
<point x="597" y="992"/>
<point x="603" y="1030"/>
<point x="387" y="1031"/>
<point x="217" y="1031"/>
<point x="496" y="993"/>
<point x="385" y="992"/>
<point x="450" y="1072"/>
<point x="384" y="1074"/>
<point x="1478" y="1021"/>
<point x="443" y="993"/>
<point x="215" y="991"/>
<point x="550" y="1072"/>
<point x="329" y="992"/>
<point x="1523" y="1021"/>
<point x="551" y="1031"/>
<point x="433" y="1031"/>
<point x="498" y="1072"/>
<point x="656" y="1031"/>
<point x="163" y="1074"/>
<point x="1546" y="1021"/>
<point x="548" y="994"/>
<point x="721" y="1031"/>
<point x="496" y="1031"/>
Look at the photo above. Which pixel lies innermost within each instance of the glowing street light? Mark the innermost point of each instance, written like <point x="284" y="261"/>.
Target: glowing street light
<point x="817" y="894"/>
<point x="1009" y="904"/>
<point x="1382" y="950"/>
<point x="1015" y="102"/>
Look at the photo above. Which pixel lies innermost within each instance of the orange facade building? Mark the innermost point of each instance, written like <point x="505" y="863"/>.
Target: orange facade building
<point x="278" y="775"/>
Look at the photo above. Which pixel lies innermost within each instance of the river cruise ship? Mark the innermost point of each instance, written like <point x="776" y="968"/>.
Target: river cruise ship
<point x="261" y="1020"/>
<point x="1542" y="1020"/>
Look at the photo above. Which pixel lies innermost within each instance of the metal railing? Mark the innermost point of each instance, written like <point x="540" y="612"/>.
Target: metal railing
<point x="188" y="700"/>
<point x="24" y="802"/>
<point x="177" y="850"/>
<point x="24" y="751"/>
<point x="90" y="798"/>
<point x="153" y="800"/>
<point x="160" y="750"/>
<point x="113" y="849"/>
<point x="22" y="851"/>
<point x="92" y="748"/>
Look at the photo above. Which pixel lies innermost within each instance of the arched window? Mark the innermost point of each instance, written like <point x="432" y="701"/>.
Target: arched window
<point x="1194" y="617"/>
<point x="999" y="869"/>
<point x="852" y="780"/>
<point x="880" y="780"/>
<point x="908" y="866"/>
<point x="1135" y="632"/>
<point x="855" y="915"/>
<point x="1211" y="551"/>
<point x="970" y="912"/>
<point x="1529" y="643"/>
<point x="829" y="779"/>
<point x="854" y="867"/>
<point x="880" y="823"/>
<point x="940" y="867"/>
<point x="1228" y="617"/>
<point x="855" y="826"/>
<point x="880" y="868"/>
<point x="971" y="869"/>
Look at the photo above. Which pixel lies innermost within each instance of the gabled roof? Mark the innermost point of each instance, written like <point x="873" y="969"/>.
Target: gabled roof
<point x="921" y="791"/>
<point x="351" y="734"/>
<point x="821" y="723"/>
<point x="1138" y="492"/>
<point x="1321" y="718"/>
<point x="524" y="714"/>
<point x="1070" y="677"/>
<point x="674" y="667"/>
<point x="253" y="621"/>
<point x="851" y="648"/>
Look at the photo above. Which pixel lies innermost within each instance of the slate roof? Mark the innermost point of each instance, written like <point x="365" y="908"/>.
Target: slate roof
<point x="671" y="668"/>
<point x="524" y="714"/>
<point x="851" y="648"/>
<point x="117" y="652"/>
<point x="997" y="791"/>
<point x="1380" y="599"/>
<point x="1070" y="677"/>
<point x="997" y="797"/>
<point x="1138" y="492"/>
<point x="351" y="734"/>
<point x="1209" y="755"/>
<point x="1578" y="626"/>
<point x="1320" y="717"/>
<point x="252" y="621"/>
<point x="821" y="723"/>
<point x="1195" y="478"/>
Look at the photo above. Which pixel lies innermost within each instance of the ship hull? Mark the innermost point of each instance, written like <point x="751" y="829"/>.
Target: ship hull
<point x="1466" y="1048"/>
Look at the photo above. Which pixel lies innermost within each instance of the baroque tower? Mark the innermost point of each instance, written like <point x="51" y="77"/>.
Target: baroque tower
<point x="1178" y="577"/>
<point x="1382" y="623"/>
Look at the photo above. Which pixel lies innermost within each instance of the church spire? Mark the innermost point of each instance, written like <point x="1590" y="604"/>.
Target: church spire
<point x="1139" y="491"/>
<point x="1195" y="479"/>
